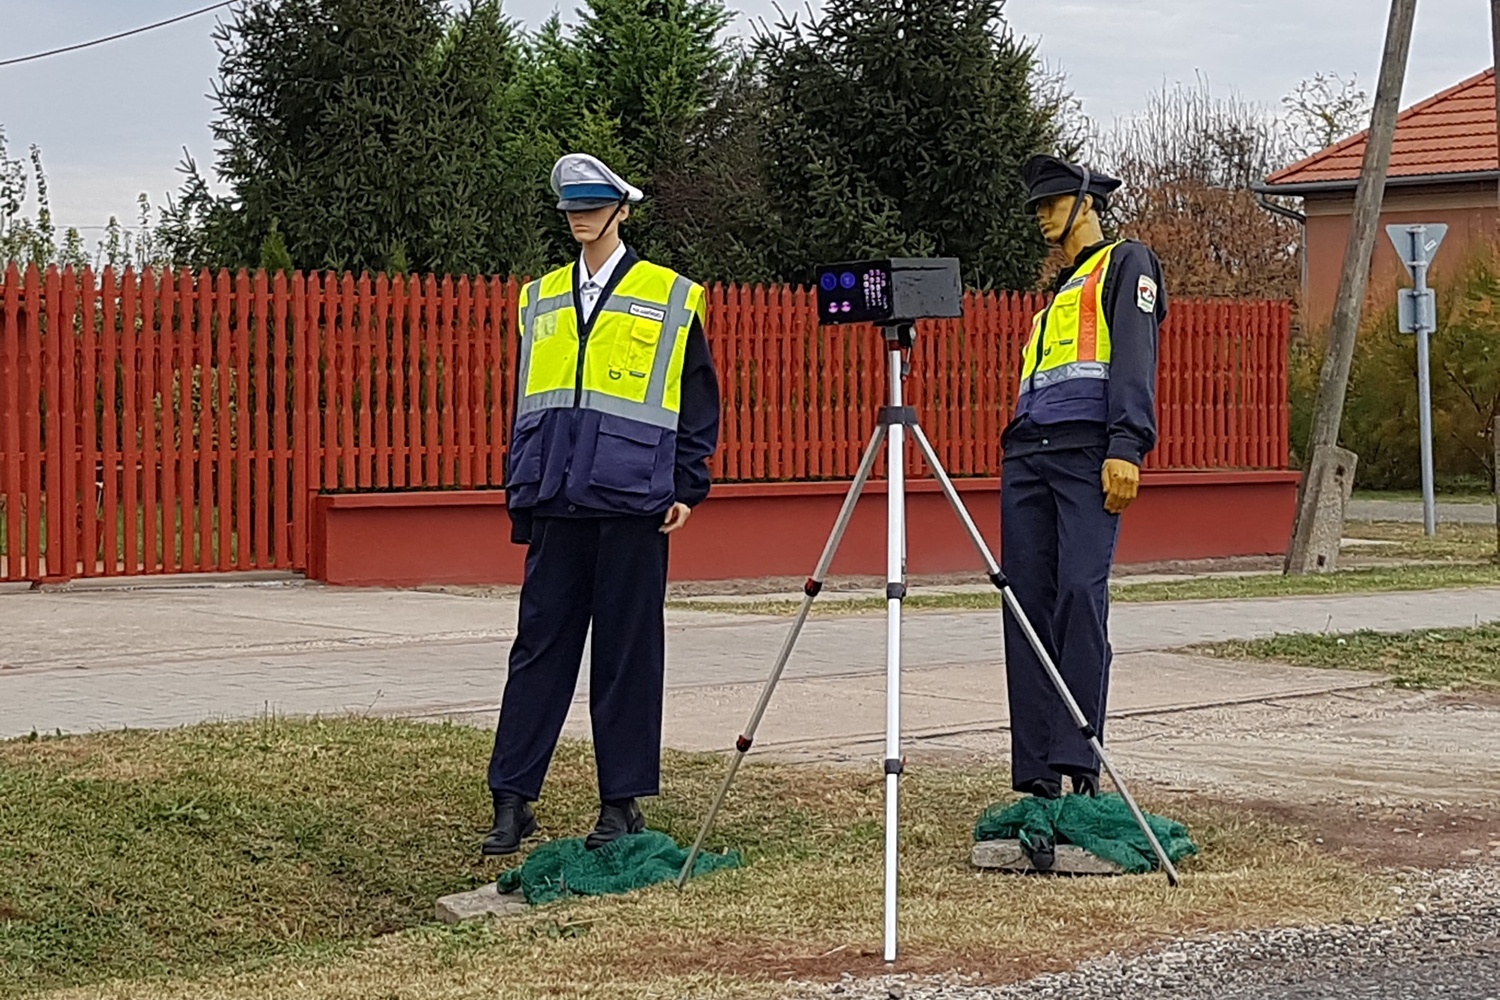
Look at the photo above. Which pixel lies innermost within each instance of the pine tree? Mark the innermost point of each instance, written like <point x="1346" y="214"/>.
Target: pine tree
<point x="900" y="128"/>
<point x="367" y="125"/>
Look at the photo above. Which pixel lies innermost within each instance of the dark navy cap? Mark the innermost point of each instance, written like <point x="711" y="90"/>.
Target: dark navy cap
<point x="1048" y="176"/>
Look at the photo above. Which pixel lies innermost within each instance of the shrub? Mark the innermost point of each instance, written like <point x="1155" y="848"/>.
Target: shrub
<point x="1381" y="415"/>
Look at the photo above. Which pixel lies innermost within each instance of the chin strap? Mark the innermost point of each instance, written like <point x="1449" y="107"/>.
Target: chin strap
<point x="610" y="221"/>
<point x="1077" y="206"/>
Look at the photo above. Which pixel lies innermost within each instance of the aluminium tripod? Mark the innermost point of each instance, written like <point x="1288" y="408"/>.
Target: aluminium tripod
<point x="894" y="421"/>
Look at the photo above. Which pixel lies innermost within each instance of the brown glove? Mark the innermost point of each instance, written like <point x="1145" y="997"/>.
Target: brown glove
<point x="1122" y="481"/>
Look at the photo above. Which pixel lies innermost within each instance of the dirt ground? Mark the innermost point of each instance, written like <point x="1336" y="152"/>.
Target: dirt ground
<point x="1392" y="777"/>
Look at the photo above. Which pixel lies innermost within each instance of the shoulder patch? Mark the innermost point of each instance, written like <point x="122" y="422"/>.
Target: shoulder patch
<point x="647" y="312"/>
<point x="1145" y="294"/>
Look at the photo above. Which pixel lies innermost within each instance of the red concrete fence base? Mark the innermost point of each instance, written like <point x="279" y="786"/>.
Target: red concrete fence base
<point x="778" y="529"/>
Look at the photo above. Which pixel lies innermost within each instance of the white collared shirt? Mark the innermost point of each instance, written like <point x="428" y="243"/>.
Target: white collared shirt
<point x="591" y="286"/>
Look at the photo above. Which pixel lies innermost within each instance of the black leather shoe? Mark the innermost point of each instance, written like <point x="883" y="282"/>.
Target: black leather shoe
<point x="514" y="822"/>
<point x="1042" y="852"/>
<point x="1086" y="784"/>
<point x="1042" y="788"/>
<point x="615" y="821"/>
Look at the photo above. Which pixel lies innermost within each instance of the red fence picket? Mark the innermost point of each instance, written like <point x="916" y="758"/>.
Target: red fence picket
<point x="159" y="423"/>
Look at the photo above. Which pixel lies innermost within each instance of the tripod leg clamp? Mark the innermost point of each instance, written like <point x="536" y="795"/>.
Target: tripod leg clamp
<point x="812" y="588"/>
<point x="895" y="592"/>
<point x="894" y="765"/>
<point x="1088" y="732"/>
<point x="904" y="415"/>
<point x="743" y="744"/>
<point x="998" y="579"/>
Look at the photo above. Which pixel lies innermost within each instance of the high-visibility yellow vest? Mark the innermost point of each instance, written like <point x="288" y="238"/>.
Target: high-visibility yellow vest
<point x="1070" y="338"/>
<point x="631" y="362"/>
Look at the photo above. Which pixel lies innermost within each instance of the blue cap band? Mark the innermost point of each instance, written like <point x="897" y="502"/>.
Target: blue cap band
<point x="572" y="192"/>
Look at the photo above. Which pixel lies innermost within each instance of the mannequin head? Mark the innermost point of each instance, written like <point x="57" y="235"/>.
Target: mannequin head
<point x="598" y="225"/>
<point x="1052" y="217"/>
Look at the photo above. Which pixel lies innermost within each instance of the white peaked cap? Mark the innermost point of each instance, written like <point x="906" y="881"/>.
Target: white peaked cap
<point x="582" y="182"/>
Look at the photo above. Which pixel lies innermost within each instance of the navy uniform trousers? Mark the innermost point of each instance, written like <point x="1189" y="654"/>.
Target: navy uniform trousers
<point x="1057" y="543"/>
<point x="611" y="571"/>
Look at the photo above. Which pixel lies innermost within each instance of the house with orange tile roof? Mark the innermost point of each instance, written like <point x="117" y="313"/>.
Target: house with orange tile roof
<point x="1444" y="168"/>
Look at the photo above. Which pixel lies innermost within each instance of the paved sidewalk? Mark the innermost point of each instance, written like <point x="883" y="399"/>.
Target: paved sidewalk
<point x="1411" y="511"/>
<point x="96" y="660"/>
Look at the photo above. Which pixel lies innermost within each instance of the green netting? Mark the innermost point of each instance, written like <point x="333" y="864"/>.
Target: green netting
<point x="566" y="868"/>
<point x="1102" y="826"/>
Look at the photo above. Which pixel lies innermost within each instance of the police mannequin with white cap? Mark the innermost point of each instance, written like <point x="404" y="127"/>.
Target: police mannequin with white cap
<point x="616" y="416"/>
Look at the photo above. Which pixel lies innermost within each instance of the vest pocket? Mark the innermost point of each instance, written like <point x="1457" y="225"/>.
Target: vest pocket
<point x="524" y="461"/>
<point x="640" y="347"/>
<point x="624" y="455"/>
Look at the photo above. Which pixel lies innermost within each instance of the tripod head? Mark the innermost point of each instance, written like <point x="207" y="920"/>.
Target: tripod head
<point x="900" y="334"/>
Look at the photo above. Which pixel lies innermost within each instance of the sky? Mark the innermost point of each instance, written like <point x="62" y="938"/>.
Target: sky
<point x="113" y="121"/>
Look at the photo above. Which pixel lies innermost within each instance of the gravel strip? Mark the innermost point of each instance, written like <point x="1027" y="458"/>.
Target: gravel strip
<point x="1447" y="946"/>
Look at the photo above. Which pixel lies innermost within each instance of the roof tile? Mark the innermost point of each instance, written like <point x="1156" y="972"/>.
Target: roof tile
<point x="1449" y="133"/>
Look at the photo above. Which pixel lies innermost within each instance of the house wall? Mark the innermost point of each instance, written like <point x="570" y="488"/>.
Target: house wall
<point x="1470" y="210"/>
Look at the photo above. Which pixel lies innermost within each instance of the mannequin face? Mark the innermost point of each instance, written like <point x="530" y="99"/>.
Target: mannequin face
<point x="594" y="224"/>
<point x="1052" y="215"/>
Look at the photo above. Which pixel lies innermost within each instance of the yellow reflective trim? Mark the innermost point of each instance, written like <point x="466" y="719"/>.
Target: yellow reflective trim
<point x="622" y="370"/>
<point x="1060" y="323"/>
<point x="618" y="359"/>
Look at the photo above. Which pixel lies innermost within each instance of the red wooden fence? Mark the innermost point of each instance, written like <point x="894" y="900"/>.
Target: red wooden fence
<point x="193" y="417"/>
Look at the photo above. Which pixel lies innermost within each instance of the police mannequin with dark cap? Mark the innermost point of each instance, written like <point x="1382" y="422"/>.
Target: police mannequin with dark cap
<point x="1084" y="422"/>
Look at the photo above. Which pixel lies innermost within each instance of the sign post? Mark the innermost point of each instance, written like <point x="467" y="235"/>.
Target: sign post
<point x="1417" y="245"/>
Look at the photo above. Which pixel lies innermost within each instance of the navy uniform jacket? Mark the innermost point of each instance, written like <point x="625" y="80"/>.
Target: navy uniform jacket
<point x="1118" y="414"/>
<point x="639" y="470"/>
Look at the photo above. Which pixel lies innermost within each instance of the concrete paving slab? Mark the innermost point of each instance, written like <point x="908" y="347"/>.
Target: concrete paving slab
<point x="1007" y="855"/>
<point x="486" y="901"/>
<point x="1410" y="511"/>
<point x="84" y="661"/>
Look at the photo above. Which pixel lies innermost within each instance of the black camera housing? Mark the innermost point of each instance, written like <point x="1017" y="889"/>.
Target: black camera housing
<point x="892" y="292"/>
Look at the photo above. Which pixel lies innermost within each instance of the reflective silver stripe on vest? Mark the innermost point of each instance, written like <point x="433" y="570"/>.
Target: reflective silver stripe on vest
<point x="653" y="411"/>
<point x="553" y="399"/>
<point x="554" y="303"/>
<point x="1062" y="373"/>
<point x="643" y="413"/>
<point x="679" y="316"/>
<point x="528" y="328"/>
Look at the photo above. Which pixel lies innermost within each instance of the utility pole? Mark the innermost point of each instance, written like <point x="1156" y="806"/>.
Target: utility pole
<point x="1495" y="48"/>
<point x="1333" y="383"/>
<point x="1495" y="427"/>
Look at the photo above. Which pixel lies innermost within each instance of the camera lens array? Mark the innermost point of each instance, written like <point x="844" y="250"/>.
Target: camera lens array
<point x="874" y="283"/>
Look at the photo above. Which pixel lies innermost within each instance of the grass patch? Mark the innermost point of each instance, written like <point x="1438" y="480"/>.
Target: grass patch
<point x="1463" y="658"/>
<point x="237" y="860"/>
<point x="1383" y="579"/>
<point x="1452" y="543"/>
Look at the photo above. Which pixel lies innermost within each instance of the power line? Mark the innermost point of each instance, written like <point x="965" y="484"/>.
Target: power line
<point x="115" y="38"/>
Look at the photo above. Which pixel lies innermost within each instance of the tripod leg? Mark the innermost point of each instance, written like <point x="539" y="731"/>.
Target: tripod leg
<point x="1009" y="597"/>
<point x="811" y="589"/>
<point x="895" y="594"/>
<point x="1011" y="602"/>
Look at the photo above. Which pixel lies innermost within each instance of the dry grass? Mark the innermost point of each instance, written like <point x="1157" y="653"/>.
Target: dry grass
<point x="311" y="869"/>
<point x="1461" y="659"/>
<point x="1454" y="543"/>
